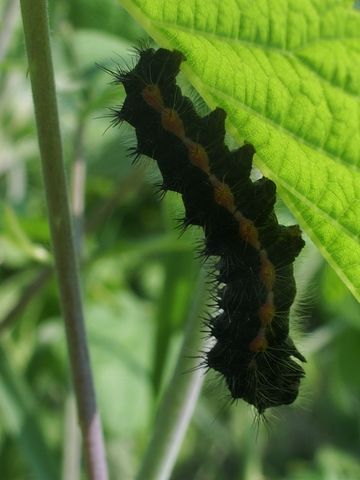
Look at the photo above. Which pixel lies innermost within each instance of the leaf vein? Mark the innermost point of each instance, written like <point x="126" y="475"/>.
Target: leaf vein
<point x="286" y="131"/>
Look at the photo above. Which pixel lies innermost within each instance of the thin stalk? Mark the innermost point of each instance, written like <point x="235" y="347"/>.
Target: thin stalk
<point x="72" y="439"/>
<point x="174" y="264"/>
<point x="37" y="41"/>
<point x="180" y="398"/>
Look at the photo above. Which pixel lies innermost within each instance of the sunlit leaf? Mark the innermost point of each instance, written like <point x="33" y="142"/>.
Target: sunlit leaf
<point x="288" y="75"/>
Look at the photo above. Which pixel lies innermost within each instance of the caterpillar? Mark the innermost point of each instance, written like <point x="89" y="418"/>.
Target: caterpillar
<point x="253" y="254"/>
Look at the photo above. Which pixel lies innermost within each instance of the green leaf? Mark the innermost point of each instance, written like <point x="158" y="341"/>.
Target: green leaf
<point x="105" y="16"/>
<point x="21" y="240"/>
<point x="20" y="420"/>
<point x="174" y="303"/>
<point x="288" y="75"/>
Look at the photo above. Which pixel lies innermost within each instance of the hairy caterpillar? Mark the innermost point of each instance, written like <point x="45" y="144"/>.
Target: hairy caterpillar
<point x="255" y="255"/>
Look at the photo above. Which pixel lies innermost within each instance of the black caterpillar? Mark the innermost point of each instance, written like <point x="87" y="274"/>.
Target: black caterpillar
<point x="254" y="271"/>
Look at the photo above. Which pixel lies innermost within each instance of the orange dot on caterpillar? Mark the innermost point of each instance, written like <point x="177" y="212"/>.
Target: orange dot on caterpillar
<point x="259" y="343"/>
<point x="198" y="155"/>
<point x="266" y="313"/>
<point x="249" y="233"/>
<point x="172" y="123"/>
<point x="224" y="197"/>
<point x="267" y="272"/>
<point x="152" y="96"/>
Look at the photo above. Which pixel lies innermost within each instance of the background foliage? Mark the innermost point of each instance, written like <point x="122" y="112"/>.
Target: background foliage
<point x="138" y="280"/>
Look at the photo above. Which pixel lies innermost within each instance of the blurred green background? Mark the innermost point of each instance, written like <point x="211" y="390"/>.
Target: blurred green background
<point x="138" y="281"/>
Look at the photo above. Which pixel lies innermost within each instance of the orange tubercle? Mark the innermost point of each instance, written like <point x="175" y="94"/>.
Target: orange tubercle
<point x="224" y="197"/>
<point x="198" y="156"/>
<point x="249" y="233"/>
<point x="266" y="313"/>
<point x="267" y="274"/>
<point x="171" y="122"/>
<point x="152" y="96"/>
<point x="259" y="344"/>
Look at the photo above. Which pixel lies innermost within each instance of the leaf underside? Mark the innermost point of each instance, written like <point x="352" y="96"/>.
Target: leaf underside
<point x="288" y="75"/>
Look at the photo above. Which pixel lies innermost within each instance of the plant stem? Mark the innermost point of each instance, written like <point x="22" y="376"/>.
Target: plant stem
<point x="72" y="438"/>
<point x="179" y="400"/>
<point x="37" y="41"/>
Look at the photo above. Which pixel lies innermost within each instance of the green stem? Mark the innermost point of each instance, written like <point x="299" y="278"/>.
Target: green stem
<point x="175" y="300"/>
<point x="179" y="400"/>
<point x="37" y="41"/>
<point x="72" y="439"/>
